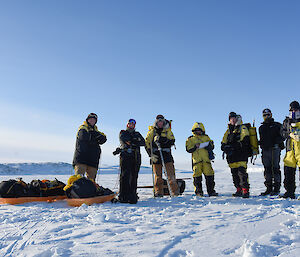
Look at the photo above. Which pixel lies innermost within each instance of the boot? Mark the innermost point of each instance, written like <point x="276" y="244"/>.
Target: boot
<point x="210" y="184"/>
<point x="276" y="190"/>
<point x="246" y="193"/>
<point x="158" y="195"/>
<point x="288" y="194"/>
<point x="123" y="199"/>
<point x="198" y="186"/>
<point x="133" y="198"/>
<point x="238" y="192"/>
<point x="268" y="191"/>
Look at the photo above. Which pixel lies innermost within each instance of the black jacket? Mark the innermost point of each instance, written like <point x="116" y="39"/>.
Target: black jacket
<point x="135" y="140"/>
<point x="270" y="134"/>
<point x="88" y="143"/>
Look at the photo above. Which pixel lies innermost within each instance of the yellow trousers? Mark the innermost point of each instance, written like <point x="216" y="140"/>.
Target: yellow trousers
<point x="292" y="158"/>
<point x="203" y="167"/>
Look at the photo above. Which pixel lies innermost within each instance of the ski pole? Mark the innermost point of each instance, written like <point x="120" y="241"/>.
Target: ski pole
<point x="164" y="168"/>
<point x="153" y="181"/>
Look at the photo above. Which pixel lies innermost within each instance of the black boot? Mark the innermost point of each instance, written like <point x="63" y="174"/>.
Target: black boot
<point x="238" y="192"/>
<point x="276" y="190"/>
<point x="288" y="194"/>
<point x="268" y="191"/>
<point x="198" y="186"/>
<point x="245" y="192"/>
<point x="210" y="185"/>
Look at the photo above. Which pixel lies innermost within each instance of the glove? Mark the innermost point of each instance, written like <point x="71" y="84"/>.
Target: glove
<point x="97" y="136"/>
<point x="228" y="149"/>
<point x="154" y="158"/>
<point x="281" y="146"/>
<point x="117" y="151"/>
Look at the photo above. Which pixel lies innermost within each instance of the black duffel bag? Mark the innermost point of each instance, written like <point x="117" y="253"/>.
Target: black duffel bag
<point x="44" y="188"/>
<point x="13" y="188"/>
<point x="82" y="188"/>
<point x="86" y="188"/>
<point x="180" y="183"/>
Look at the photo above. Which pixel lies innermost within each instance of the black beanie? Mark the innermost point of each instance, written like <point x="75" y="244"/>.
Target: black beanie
<point x="294" y="105"/>
<point x="92" y="115"/>
<point x="232" y="114"/>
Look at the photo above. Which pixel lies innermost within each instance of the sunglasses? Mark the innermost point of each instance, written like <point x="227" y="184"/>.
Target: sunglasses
<point x="266" y="115"/>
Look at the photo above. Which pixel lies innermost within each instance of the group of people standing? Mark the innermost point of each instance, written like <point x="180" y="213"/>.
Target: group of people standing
<point x="160" y="139"/>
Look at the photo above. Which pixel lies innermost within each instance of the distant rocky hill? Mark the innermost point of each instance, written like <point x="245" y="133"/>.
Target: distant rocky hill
<point x="61" y="168"/>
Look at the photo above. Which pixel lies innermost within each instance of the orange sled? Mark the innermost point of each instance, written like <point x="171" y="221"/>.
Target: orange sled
<point x="76" y="202"/>
<point x="21" y="200"/>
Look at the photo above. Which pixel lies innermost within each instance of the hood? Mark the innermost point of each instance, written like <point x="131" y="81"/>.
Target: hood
<point x="198" y="125"/>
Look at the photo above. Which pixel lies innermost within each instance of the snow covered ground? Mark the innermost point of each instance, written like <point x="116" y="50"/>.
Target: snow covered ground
<point x="181" y="226"/>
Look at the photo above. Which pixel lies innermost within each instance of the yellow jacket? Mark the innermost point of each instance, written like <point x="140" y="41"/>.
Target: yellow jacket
<point x="240" y="131"/>
<point x="198" y="154"/>
<point x="152" y="134"/>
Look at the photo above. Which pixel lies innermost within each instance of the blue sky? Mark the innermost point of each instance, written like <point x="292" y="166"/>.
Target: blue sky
<point x="188" y="60"/>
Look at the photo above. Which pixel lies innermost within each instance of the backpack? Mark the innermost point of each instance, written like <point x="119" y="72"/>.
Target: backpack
<point x="13" y="188"/>
<point x="82" y="188"/>
<point x="253" y="149"/>
<point x="180" y="183"/>
<point x="44" y="188"/>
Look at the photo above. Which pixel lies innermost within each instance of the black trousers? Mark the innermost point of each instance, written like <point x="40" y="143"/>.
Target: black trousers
<point x="289" y="179"/>
<point x="272" y="173"/>
<point x="240" y="177"/>
<point x="130" y="166"/>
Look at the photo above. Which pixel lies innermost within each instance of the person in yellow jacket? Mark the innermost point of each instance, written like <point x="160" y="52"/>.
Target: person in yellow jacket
<point x="201" y="146"/>
<point x="291" y="132"/>
<point x="161" y="137"/>
<point x="236" y="146"/>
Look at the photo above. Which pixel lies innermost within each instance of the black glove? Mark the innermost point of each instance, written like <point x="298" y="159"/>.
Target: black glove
<point x="228" y="149"/>
<point x="117" y="151"/>
<point x="281" y="146"/>
<point x="98" y="137"/>
<point x="163" y="140"/>
<point x="135" y="141"/>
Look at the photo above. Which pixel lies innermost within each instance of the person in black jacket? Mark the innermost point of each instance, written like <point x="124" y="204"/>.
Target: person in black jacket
<point x="271" y="143"/>
<point x="130" y="162"/>
<point x="88" y="151"/>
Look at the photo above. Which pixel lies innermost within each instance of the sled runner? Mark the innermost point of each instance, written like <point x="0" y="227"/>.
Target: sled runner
<point x="76" y="202"/>
<point x="21" y="200"/>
